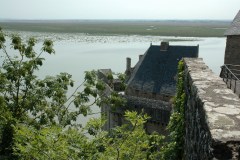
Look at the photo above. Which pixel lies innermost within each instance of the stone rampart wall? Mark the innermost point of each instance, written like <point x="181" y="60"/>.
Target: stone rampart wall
<point x="212" y="115"/>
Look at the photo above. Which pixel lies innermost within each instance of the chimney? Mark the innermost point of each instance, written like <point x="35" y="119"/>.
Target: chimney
<point x="128" y="67"/>
<point x="140" y="57"/>
<point x="164" y="46"/>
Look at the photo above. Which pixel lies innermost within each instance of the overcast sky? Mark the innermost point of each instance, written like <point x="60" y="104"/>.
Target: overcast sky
<point x="119" y="9"/>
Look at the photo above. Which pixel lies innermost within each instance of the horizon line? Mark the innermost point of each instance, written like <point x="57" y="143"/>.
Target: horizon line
<point x="13" y="19"/>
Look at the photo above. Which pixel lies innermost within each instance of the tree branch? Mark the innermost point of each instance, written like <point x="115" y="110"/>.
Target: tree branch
<point x="118" y="149"/>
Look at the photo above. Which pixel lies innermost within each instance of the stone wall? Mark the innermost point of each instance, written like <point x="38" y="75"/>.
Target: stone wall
<point x="159" y="112"/>
<point x="138" y="93"/>
<point x="232" y="52"/>
<point x="212" y="115"/>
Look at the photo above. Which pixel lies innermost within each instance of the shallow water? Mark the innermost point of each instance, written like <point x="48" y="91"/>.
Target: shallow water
<point x="76" y="53"/>
<point x="76" y="57"/>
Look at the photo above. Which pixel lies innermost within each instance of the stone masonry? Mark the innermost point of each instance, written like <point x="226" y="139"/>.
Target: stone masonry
<point x="232" y="52"/>
<point x="212" y="115"/>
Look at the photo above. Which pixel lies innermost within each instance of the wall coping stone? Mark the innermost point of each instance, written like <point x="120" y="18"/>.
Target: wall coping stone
<point x="221" y="105"/>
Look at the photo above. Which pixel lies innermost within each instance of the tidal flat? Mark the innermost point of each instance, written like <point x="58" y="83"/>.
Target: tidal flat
<point x="182" y="28"/>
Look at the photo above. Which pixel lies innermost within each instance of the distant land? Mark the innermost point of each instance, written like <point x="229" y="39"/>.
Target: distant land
<point x="179" y="28"/>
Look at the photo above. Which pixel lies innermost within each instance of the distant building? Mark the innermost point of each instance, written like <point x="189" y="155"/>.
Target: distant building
<point x="104" y="73"/>
<point x="232" y="52"/>
<point x="151" y="84"/>
<point x="231" y="69"/>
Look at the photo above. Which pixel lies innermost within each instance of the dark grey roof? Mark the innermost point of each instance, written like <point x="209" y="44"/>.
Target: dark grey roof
<point x="234" y="29"/>
<point x="105" y="71"/>
<point x="156" y="71"/>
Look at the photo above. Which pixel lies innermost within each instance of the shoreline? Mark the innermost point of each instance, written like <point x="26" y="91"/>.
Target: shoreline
<point x="89" y="38"/>
<point x="126" y="28"/>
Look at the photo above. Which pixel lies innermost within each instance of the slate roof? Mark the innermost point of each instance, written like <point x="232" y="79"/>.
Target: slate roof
<point x="156" y="71"/>
<point x="105" y="71"/>
<point x="234" y="29"/>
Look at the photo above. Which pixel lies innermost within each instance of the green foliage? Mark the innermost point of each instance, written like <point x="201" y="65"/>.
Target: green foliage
<point x="129" y="141"/>
<point x="5" y="117"/>
<point x="52" y="143"/>
<point x="174" y="148"/>
<point x="125" y="142"/>
<point x="39" y="121"/>
<point x="46" y="143"/>
<point x="34" y="102"/>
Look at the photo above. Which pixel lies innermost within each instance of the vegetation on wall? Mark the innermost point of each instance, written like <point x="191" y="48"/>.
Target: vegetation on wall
<point x="173" y="149"/>
<point x="39" y="121"/>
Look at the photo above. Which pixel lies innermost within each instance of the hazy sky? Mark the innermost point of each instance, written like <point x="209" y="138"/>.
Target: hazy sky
<point x="119" y="9"/>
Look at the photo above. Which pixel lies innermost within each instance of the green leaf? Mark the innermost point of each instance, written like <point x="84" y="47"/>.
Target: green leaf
<point x="48" y="46"/>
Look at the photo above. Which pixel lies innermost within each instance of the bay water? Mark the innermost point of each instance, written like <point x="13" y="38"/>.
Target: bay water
<point x="77" y="53"/>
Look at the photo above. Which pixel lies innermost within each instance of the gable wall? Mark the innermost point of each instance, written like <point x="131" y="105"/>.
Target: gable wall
<point x="232" y="52"/>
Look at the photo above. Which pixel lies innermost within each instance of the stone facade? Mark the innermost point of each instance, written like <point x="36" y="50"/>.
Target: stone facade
<point x="159" y="111"/>
<point x="212" y="115"/>
<point x="151" y="95"/>
<point x="232" y="52"/>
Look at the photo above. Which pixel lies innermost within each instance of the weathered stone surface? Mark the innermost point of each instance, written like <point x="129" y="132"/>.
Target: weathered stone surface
<point x="212" y="115"/>
<point x="232" y="52"/>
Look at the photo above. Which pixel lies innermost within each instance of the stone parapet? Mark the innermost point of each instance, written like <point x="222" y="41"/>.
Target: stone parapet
<point x="212" y="115"/>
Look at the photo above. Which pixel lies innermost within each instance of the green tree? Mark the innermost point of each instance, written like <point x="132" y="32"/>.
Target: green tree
<point x="39" y="102"/>
<point x="36" y="121"/>
<point x="124" y="142"/>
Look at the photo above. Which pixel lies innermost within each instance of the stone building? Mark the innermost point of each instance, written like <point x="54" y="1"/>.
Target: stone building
<point x="232" y="52"/>
<point x="151" y="84"/>
<point x="231" y="69"/>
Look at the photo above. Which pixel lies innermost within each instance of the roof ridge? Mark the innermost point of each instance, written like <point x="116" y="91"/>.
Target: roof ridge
<point x="234" y="28"/>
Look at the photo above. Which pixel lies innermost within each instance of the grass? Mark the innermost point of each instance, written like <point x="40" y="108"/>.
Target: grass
<point x="108" y="27"/>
